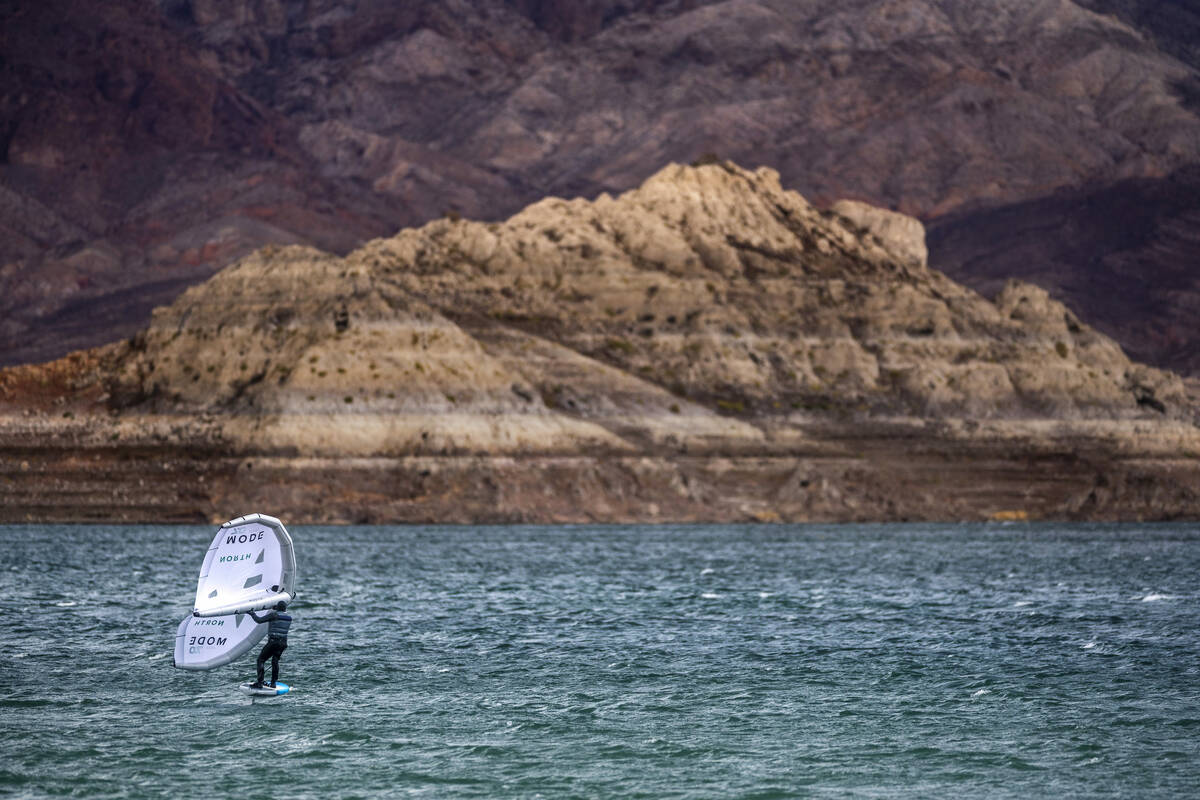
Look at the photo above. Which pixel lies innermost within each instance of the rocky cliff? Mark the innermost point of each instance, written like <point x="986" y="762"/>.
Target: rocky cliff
<point x="706" y="346"/>
<point x="145" y="145"/>
<point x="1125" y="252"/>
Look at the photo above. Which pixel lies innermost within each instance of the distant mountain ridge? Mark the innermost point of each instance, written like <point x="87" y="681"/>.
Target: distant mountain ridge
<point x="1173" y="24"/>
<point x="1125" y="251"/>
<point x="149" y="144"/>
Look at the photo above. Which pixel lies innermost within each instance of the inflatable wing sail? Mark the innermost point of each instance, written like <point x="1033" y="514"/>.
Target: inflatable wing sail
<point x="251" y="565"/>
<point x="210" y="642"/>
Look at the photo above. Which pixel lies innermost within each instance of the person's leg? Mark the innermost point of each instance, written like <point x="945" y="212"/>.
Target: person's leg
<point x="260" y="664"/>
<point x="278" y="651"/>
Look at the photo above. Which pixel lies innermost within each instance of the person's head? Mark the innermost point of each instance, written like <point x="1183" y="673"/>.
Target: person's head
<point x="281" y="606"/>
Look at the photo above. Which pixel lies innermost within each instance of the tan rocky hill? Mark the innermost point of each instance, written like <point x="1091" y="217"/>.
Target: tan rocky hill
<point x="712" y="283"/>
<point x="707" y="346"/>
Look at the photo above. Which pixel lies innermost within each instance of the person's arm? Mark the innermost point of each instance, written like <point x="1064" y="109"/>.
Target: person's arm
<point x="260" y="621"/>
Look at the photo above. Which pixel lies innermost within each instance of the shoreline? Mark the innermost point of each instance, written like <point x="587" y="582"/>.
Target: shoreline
<point x="164" y="470"/>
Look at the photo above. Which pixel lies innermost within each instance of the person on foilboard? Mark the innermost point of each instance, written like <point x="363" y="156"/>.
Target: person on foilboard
<point x="277" y="634"/>
<point x="250" y="565"/>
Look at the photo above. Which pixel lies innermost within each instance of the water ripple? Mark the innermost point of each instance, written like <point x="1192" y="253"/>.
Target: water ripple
<point x="685" y="661"/>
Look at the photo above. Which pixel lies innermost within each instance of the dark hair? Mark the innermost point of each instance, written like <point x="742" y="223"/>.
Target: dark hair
<point x="281" y="606"/>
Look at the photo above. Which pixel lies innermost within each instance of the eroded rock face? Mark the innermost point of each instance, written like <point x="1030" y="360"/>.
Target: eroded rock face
<point x="716" y="283"/>
<point x="900" y="233"/>
<point x="706" y="346"/>
<point x="710" y="285"/>
<point x="302" y="352"/>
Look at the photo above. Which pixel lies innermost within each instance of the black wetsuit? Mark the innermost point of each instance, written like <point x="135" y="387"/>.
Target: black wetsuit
<point x="276" y="641"/>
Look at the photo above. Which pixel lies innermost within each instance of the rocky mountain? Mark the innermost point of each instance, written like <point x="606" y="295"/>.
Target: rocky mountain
<point x="1125" y="251"/>
<point x="1174" y="25"/>
<point x="156" y="142"/>
<point x="713" y="283"/>
<point x="707" y="346"/>
<point x="129" y="170"/>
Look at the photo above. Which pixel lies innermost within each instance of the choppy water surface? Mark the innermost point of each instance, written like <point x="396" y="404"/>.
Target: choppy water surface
<point x="869" y="661"/>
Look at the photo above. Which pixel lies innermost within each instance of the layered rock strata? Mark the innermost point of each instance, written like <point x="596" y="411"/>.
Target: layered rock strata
<point x="707" y="346"/>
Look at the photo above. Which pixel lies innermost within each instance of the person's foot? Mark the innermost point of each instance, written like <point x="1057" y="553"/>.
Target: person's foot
<point x="256" y="685"/>
<point x="272" y="685"/>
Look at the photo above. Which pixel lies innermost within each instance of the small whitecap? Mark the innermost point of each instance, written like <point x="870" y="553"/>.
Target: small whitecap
<point x="711" y="596"/>
<point x="764" y="595"/>
<point x="707" y="571"/>
<point x="157" y="656"/>
<point x="1023" y="603"/>
<point x="65" y="603"/>
<point x="1154" y="597"/>
<point x="981" y="693"/>
<point x="444" y="669"/>
<point x="1089" y="645"/>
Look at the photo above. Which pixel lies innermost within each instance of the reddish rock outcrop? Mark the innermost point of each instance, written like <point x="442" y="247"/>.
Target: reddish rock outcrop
<point x="146" y="149"/>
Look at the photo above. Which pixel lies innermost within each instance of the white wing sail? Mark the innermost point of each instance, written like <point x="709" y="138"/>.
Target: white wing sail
<point x="210" y="642"/>
<point x="250" y="565"/>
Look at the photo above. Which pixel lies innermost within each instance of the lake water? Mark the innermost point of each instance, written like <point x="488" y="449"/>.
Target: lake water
<point x="623" y="662"/>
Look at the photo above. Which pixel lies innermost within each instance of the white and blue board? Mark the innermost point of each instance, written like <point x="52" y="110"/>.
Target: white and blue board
<point x="278" y="689"/>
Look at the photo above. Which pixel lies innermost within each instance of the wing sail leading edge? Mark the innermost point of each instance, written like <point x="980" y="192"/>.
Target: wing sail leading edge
<point x="250" y="565"/>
